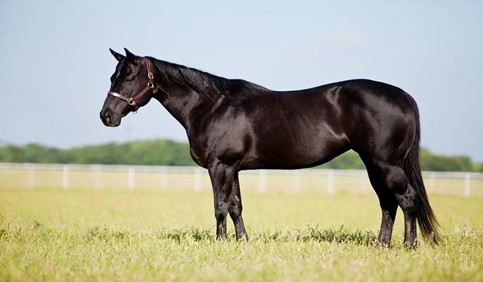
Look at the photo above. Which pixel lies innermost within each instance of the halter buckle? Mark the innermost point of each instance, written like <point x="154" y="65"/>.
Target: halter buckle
<point x="131" y="102"/>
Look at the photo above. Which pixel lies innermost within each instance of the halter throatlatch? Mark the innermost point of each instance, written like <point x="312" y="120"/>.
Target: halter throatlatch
<point x="133" y="101"/>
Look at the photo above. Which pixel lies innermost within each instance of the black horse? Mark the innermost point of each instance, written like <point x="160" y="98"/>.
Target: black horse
<point x="235" y="125"/>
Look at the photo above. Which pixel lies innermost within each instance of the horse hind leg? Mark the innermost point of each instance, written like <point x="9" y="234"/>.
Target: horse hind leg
<point x="387" y="202"/>
<point x="395" y="179"/>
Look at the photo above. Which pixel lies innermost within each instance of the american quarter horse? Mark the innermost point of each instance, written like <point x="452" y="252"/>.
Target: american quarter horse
<point x="235" y="125"/>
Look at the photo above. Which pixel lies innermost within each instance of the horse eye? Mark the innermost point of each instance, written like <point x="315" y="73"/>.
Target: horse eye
<point x="129" y="80"/>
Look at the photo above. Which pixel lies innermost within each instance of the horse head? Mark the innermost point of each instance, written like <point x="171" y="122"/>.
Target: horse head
<point x="132" y="86"/>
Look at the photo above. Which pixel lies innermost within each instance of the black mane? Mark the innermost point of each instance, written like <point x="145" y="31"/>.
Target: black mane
<point x="206" y="84"/>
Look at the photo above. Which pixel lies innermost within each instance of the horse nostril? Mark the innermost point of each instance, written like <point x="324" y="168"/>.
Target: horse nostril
<point x="107" y="118"/>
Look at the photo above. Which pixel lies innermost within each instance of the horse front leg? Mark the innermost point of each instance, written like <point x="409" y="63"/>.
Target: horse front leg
<point x="235" y="210"/>
<point x="221" y="177"/>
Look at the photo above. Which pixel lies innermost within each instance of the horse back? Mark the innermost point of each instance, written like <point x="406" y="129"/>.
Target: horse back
<point x="297" y="129"/>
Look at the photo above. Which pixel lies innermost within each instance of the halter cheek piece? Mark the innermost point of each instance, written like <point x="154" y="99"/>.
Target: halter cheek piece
<point x="133" y="101"/>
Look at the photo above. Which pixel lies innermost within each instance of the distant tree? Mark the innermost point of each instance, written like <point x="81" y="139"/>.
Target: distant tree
<point x="348" y="160"/>
<point x="12" y="154"/>
<point x="432" y="162"/>
<point x="167" y="152"/>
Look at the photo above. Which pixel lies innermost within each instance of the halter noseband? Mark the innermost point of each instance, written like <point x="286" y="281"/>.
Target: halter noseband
<point x="133" y="101"/>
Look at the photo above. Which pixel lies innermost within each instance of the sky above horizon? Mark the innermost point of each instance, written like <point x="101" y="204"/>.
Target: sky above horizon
<point x="55" y="63"/>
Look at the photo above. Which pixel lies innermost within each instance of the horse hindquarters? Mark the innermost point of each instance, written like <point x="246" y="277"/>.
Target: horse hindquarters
<point x="386" y="136"/>
<point x="403" y="186"/>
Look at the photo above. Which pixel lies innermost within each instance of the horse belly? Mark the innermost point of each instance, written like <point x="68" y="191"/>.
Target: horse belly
<point x="289" y="149"/>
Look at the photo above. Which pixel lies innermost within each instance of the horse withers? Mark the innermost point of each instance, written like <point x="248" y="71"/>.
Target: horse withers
<point x="235" y="125"/>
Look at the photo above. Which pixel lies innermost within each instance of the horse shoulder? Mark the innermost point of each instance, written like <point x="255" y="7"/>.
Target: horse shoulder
<point x="222" y="135"/>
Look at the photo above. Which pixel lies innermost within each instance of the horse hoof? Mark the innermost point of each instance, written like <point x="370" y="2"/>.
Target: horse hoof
<point x="382" y="245"/>
<point x="411" y="245"/>
<point x="243" y="238"/>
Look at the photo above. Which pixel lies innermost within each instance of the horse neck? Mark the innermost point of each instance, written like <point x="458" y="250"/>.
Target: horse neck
<point x="180" y="101"/>
<point x="182" y="90"/>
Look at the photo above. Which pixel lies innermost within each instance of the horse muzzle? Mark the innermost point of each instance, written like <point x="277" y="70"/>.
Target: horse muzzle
<point x="110" y="119"/>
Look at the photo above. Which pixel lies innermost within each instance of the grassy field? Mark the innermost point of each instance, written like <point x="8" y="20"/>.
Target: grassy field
<point x="167" y="235"/>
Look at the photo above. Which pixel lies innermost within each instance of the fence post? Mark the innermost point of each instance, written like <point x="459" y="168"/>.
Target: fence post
<point x="363" y="187"/>
<point x="31" y="176"/>
<point x="263" y="181"/>
<point x="296" y="181"/>
<point x="467" y="185"/>
<point x="98" y="174"/>
<point x="131" y="178"/>
<point x="197" y="179"/>
<point x="164" y="178"/>
<point x="331" y="182"/>
<point x="432" y="179"/>
<point x="65" y="176"/>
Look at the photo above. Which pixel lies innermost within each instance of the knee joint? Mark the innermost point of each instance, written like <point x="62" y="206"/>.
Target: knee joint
<point x="221" y="210"/>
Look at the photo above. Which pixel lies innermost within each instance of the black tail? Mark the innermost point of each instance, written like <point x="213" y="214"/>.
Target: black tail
<point x="424" y="213"/>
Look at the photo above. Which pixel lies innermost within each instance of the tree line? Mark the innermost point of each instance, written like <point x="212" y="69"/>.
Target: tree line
<point x="172" y="153"/>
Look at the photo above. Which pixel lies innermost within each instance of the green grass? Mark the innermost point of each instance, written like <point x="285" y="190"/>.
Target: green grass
<point x="154" y="235"/>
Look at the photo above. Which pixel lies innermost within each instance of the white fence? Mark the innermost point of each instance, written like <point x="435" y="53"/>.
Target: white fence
<point x="161" y="177"/>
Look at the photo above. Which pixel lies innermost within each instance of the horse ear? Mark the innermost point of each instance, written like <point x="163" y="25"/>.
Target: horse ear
<point x="128" y="53"/>
<point x="116" y="55"/>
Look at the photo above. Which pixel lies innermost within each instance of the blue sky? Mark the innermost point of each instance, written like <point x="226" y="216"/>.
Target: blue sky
<point x="55" y="64"/>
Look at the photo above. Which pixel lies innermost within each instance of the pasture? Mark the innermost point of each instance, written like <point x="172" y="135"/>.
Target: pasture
<point x="77" y="234"/>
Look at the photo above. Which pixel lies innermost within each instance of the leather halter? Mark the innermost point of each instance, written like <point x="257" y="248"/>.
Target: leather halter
<point x="133" y="101"/>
